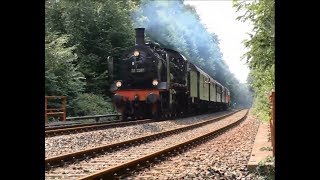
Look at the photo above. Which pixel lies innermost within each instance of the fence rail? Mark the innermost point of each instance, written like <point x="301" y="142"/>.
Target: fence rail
<point x="96" y="117"/>
<point x="62" y="113"/>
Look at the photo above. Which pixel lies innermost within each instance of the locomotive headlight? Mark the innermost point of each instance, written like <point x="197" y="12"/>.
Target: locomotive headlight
<point x="136" y="53"/>
<point x="155" y="82"/>
<point x="118" y="84"/>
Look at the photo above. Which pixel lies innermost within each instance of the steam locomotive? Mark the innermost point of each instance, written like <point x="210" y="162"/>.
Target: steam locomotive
<point x="159" y="82"/>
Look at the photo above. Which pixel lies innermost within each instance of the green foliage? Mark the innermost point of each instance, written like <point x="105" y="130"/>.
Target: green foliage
<point x="265" y="169"/>
<point x="266" y="148"/>
<point x="80" y="35"/>
<point x="260" y="56"/>
<point x="99" y="29"/>
<point x="90" y="104"/>
<point x="61" y="75"/>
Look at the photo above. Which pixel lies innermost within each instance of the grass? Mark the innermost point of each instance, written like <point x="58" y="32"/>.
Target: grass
<point x="266" y="149"/>
<point x="265" y="169"/>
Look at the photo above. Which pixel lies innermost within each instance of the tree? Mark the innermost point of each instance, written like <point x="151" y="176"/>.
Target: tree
<point x="62" y="77"/>
<point x="80" y="36"/>
<point x="260" y="56"/>
<point x="99" y="29"/>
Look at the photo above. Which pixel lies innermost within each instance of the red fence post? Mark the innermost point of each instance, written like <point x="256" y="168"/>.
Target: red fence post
<point x="272" y="121"/>
<point x="64" y="102"/>
<point x="45" y="109"/>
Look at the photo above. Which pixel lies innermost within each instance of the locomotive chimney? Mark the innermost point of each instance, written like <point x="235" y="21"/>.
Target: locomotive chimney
<point x="139" y="36"/>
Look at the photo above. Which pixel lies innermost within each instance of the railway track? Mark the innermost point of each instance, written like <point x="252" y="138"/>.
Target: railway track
<point x="74" y="125"/>
<point x="114" y="159"/>
<point x="64" y="144"/>
<point x="79" y="121"/>
<point x="77" y="128"/>
<point x="55" y="131"/>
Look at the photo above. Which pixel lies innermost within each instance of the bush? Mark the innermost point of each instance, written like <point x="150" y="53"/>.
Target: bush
<point x="265" y="172"/>
<point x="91" y="104"/>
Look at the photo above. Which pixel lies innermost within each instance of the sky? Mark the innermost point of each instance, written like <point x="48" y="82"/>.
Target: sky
<point x="220" y="18"/>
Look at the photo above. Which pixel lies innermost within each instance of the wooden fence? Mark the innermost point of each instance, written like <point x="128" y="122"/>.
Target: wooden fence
<point x="60" y="112"/>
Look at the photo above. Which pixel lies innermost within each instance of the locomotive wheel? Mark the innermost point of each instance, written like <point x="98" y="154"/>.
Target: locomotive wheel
<point x="124" y="117"/>
<point x="155" y="116"/>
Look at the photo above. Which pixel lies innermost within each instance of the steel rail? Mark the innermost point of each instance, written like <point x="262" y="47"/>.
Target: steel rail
<point x="92" y="127"/>
<point x="58" y="160"/>
<point x="109" y="172"/>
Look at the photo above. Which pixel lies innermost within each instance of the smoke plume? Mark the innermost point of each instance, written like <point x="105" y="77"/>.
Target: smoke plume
<point x="177" y="26"/>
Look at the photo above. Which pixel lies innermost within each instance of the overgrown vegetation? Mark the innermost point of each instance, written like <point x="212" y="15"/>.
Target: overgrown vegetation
<point x="90" y="104"/>
<point x="260" y="56"/>
<point x="266" y="149"/>
<point x="80" y="35"/>
<point x="265" y="169"/>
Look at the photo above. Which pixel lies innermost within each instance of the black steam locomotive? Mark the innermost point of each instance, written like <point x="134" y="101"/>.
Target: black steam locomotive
<point x="159" y="82"/>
